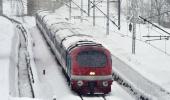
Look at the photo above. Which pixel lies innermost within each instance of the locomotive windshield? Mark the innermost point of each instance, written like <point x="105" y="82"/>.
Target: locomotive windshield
<point x="91" y="59"/>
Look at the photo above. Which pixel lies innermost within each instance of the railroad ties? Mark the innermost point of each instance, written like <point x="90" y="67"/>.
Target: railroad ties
<point x="93" y="97"/>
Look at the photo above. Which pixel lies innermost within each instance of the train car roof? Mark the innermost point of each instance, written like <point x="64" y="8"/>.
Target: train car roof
<point x="70" y="38"/>
<point x="67" y="34"/>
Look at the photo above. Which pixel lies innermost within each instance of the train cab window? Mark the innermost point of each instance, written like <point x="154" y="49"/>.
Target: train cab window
<point x="91" y="59"/>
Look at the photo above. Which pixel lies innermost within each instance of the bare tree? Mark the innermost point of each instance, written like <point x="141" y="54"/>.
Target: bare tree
<point x="168" y="1"/>
<point x="140" y="7"/>
<point x="30" y="6"/>
<point x="34" y="5"/>
<point x="158" y="7"/>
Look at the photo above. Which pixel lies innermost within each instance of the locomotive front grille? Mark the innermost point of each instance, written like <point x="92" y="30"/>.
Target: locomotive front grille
<point x="92" y="84"/>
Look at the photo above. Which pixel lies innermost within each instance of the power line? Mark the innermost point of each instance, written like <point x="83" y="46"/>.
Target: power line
<point x="79" y="7"/>
<point x="94" y="5"/>
<point x="154" y="25"/>
<point x="97" y="3"/>
<point x="105" y="15"/>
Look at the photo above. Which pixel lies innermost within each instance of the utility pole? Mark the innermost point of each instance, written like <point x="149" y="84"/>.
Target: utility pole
<point x="94" y="13"/>
<point x="81" y="10"/>
<point x="89" y="7"/>
<point x="70" y="9"/>
<point x="134" y="39"/>
<point x="107" y="24"/>
<point x="53" y="5"/>
<point x="1" y="7"/>
<point x="38" y="5"/>
<point x="119" y="10"/>
<point x="134" y="12"/>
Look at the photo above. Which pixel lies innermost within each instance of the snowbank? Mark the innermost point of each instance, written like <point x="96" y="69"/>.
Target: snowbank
<point x="7" y="59"/>
<point x="33" y="71"/>
<point x="9" y="46"/>
<point x="13" y="71"/>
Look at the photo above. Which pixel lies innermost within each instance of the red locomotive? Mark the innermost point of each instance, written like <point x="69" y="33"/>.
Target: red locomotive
<point x="86" y="62"/>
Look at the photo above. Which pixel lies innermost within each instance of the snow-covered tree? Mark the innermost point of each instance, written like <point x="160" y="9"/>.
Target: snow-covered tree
<point x="147" y="8"/>
<point x="30" y="6"/>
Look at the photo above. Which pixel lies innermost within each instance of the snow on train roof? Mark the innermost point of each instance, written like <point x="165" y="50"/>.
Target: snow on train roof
<point x="70" y="33"/>
<point x="71" y="39"/>
<point x="64" y="30"/>
<point x="68" y="37"/>
<point x="49" y="17"/>
<point x="58" y="26"/>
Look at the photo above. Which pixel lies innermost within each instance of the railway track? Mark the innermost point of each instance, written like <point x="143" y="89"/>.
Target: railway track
<point x="92" y="97"/>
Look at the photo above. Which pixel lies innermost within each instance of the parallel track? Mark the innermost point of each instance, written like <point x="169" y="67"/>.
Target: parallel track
<point x="24" y="34"/>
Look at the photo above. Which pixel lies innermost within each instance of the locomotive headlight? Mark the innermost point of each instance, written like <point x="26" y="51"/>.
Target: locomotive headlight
<point x="105" y="83"/>
<point x="92" y="73"/>
<point x="80" y="83"/>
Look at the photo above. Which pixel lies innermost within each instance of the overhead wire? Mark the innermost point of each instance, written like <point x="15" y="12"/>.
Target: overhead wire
<point x="130" y="36"/>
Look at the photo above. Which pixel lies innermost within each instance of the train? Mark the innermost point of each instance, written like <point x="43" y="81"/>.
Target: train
<point x="86" y="63"/>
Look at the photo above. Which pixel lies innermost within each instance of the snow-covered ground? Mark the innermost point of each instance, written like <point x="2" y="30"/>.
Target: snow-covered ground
<point x="52" y="83"/>
<point x="149" y="61"/>
<point x="8" y="58"/>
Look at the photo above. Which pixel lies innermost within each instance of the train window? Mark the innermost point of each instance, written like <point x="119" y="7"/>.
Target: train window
<point x="91" y="59"/>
